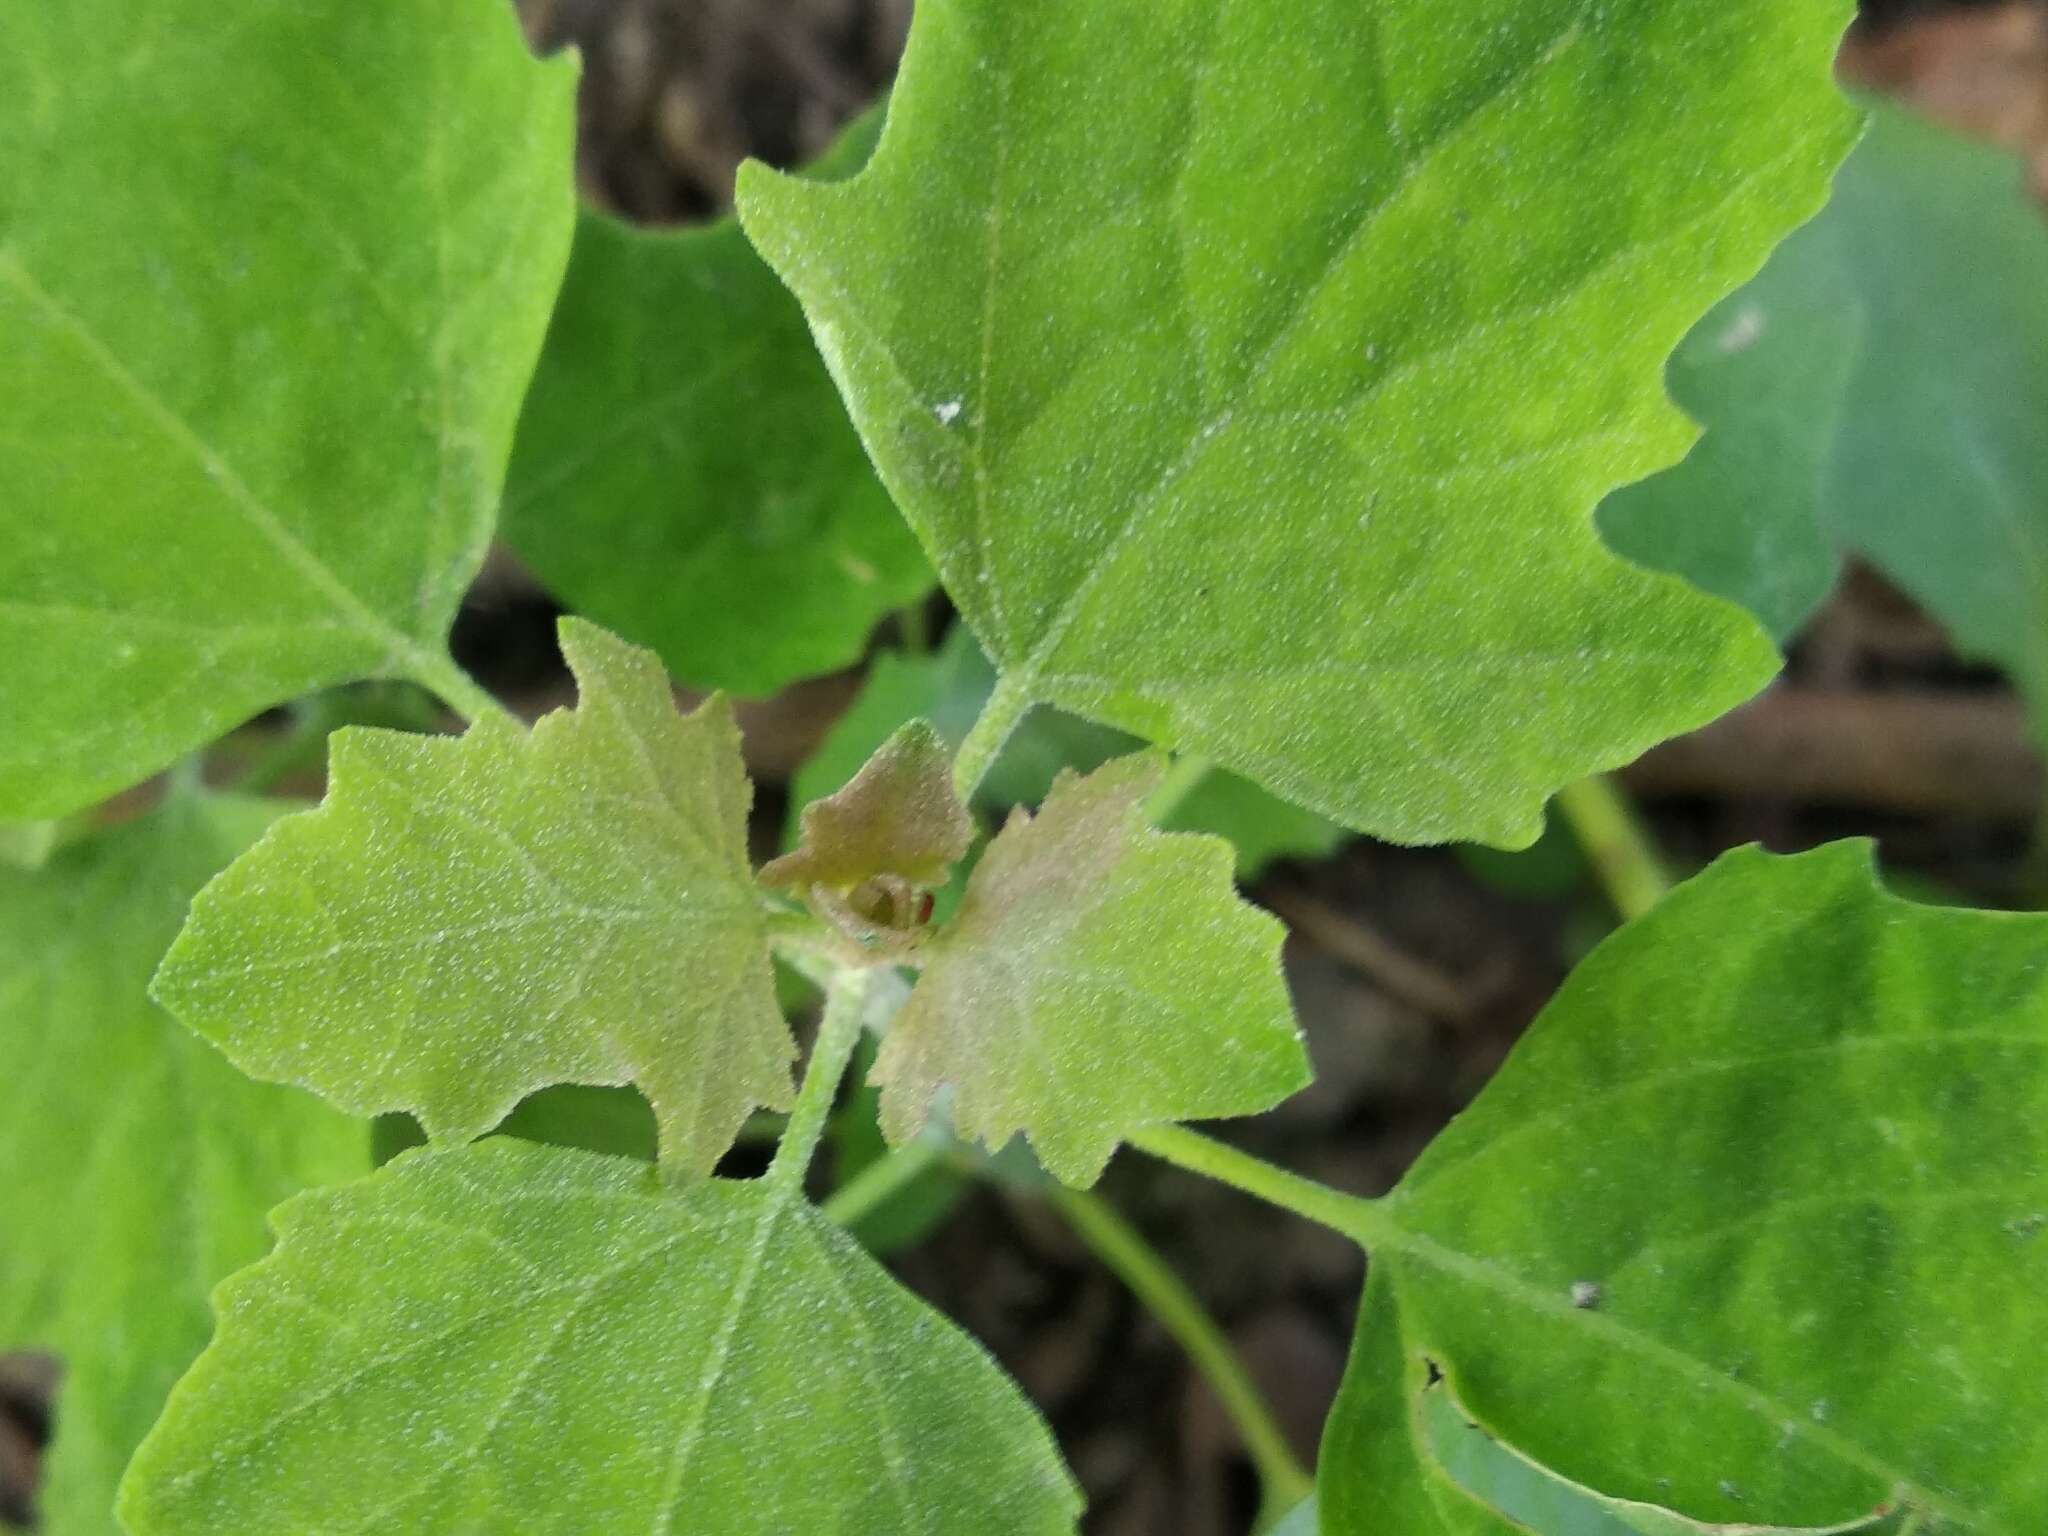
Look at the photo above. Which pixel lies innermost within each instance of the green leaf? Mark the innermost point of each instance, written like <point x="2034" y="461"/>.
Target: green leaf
<point x="466" y="920"/>
<point x="272" y="281"/>
<point x="1743" y="1228"/>
<point x="27" y="844"/>
<point x="1099" y="977"/>
<point x="615" y="1121"/>
<point x="1261" y="828"/>
<point x="1290" y="459"/>
<point x="684" y="471"/>
<point x="1547" y="1505"/>
<point x="913" y="1211"/>
<point x="947" y="687"/>
<point x="1878" y="390"/>
<point x="135" y="1164"/>
<point x="898" y="816"/>
<point x="569" y="1348"/>
<point x="952" y="685"/>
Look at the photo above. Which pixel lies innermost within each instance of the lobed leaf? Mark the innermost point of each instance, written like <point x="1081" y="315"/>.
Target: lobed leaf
<point x="1878" y="390"/>
<point x="1098" y="977"/>
<point x="272" y="281"/>
<point x="1290" y="460"/>
<point x="684" y="471"/>
<point x="570" y="1349"/>
<point x="135" y="1164"/>
<point x="466" y="920"/>
<point x="1744" y="1229"/>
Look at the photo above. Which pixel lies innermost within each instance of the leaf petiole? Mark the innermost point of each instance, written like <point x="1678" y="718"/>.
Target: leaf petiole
<point x="1007" y="705"/>
<point x="437" y="672"/>
<point x="1120" y="1246"/>
<point x="1351" y="1215"/>
<point x="846" y="998"/>
<point x="880" y="1182"/>
<point x="1182" y="779"/>
<point x="1624" y="856"/>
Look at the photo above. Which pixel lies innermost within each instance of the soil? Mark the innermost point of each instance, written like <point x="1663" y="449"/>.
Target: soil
<point x="1414" y="971"/>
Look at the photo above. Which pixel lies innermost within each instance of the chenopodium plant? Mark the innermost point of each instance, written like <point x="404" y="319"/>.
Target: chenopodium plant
<point x="1248" y="373"/>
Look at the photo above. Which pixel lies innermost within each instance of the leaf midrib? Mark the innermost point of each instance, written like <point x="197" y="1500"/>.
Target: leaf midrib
<point x="1218" y="421"/>
<point x="400" y="647"/>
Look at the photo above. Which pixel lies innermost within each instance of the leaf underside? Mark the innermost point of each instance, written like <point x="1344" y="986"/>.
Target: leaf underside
<point x="1514" y="1486"/>
<point x="135" y="1165"/>
<point x="1098" y="977"/>
<point x="569" y="1349"/>
<point x="271" y="285"/>
<point x="466" y="920"/>
<point x="1746" y="1229"/>
<point x="1877" y="390"/>
<point x="1291" y="460"/>
<point x="684" y="472"/>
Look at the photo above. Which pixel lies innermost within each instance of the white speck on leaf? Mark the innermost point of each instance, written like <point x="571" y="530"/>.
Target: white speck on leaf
<point x="948" y="411"/>
<point x="1586" y="1295"/>
<point x="1743" y="332"/>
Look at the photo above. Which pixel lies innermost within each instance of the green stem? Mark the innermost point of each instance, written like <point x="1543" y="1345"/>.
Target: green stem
<point x="1625" y="857"/>
<point x="438" y="673"/>
<point x="1182" y="779"/>
<point x="1124" y="1250"/>
<point x="838" y="1033"/>
<point x="1007" y="705"/>
<point x="914" y="627"/>
<point x="886" y="1177"/>
<point x="1258" y="1178"/>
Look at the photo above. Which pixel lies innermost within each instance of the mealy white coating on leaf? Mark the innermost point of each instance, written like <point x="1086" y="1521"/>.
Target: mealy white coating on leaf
<point x="1098" y="977"/>
<point x="524" y="1339"/>
<point x="465" y="920"/>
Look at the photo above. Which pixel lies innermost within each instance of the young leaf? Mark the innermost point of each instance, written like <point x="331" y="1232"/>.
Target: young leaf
<point x="1099" y="977"/>
<point x="272" y="281"/>
<point x="898" y="816"/>
<point x="1778" y="1155"/>
<point x="1289" y="459"/>
<point x="1879" y="389"/>
<point x="135" y="1164"/>
<point x="947" y="686"/>
<point x="684" y="471"/>
<point x="952" y="685"/>
<point x="567" y="1348"/>
<point x="466" y="920"/>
